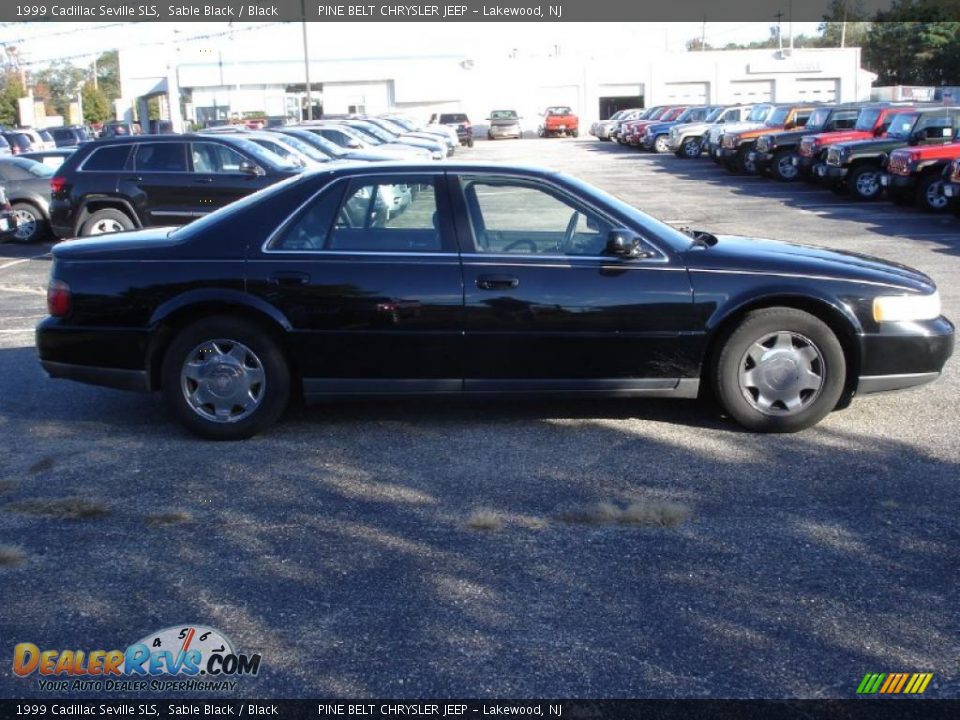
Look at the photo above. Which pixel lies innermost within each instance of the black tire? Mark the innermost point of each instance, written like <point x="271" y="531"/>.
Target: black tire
<point x="929" y="195"/>
<point x="470" y="142"/>
<point x="782" y="159"/>
<point x="106" y="221"/>
<point x="276" y="373"/>
<point x="575" y="133"/>
<point x="489" y="137"/>
<point x="689" y="149"/>
<point x="32" y="226"/>
<point x="864" y="183"/>
<point x="739" y="401"/>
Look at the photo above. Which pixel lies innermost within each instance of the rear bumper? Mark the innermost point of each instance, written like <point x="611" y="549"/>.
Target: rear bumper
<point x="904" y="355"/>
<point x="136" y="380"/>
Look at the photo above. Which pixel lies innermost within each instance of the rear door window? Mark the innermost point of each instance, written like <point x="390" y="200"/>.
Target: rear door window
<point x="161" y="157"/>
<point x="210" y="157"/>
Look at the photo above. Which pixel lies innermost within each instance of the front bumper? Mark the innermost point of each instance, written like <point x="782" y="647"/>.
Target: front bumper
<point x="725" y="153"/>
<point x="762" y="160"/>
<point x="951" y="190"/>
<point x="830" y="173"/>
<point x="900" y="183"/>
<point x="904" y="355"/>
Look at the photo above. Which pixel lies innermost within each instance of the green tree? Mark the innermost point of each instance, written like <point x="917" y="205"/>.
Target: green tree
<point x="60" y="83"/>
<point x="96" y="107"/>
<point x="915" y="42"/>
<point x="108" y="74"/>
<point x="845" y="23"/>
<point x="11" y="90"/>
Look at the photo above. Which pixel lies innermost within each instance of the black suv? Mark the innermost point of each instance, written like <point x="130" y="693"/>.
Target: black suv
<point x="69" y="135"/>
<point x="124" y="183"/>
<point x="459" y="122"/>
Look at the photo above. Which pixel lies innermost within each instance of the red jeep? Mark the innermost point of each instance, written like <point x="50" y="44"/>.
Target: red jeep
<point x="872" y="121"/>
<point x="559" y="120"/>
<point x="916" y="173"/>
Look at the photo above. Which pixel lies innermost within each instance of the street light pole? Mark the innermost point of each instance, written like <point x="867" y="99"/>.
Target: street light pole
<point x="306" y="58"/>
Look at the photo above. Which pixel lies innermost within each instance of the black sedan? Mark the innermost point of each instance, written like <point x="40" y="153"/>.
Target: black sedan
<point x="401" y="278"/>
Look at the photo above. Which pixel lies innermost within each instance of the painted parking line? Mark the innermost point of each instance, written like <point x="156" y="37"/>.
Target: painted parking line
<point x="23" y="289"/>
<point x="20" y="261"/>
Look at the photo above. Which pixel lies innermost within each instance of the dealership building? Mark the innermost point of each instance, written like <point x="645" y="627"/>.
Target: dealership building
<point x="213" y="85"/>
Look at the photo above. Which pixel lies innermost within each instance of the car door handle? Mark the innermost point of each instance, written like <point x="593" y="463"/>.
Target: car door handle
<point x="134" y="178"/>
<point x="204" y="180"/>
<point x="497" y="282"/>
<point x="289" y="278"/>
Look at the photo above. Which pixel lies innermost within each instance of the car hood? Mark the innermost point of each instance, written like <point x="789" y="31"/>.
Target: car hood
<point x="718" y="128"/>
<point x="787" y="137"/>
<point x="744" y="254"/>
<point x="943" y="151"/>
<point x="840" y="136"/>
<point x="104" y="245"/>
<point x="659" y="127"/>
<point x="877" y="145"/>
<point x="695" y="128"/>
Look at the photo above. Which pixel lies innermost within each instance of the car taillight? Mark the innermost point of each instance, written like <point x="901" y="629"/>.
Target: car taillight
<point x="57" y="183"/>
<point x="58" y="298"/>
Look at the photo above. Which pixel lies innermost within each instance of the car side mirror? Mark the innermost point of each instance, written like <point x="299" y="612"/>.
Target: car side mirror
<point x="250" y="168"/>
<point x="625" y="244"/>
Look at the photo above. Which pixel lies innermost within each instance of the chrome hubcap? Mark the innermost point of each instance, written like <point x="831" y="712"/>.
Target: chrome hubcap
<point x="781" y="373"/>
<point x="692" y="148"/>
<point x="107" y="225"/>
<point x="868" y="184"/>
<point x="786" y="168"/>
<point x="26" y="224"/>
<point x="223" y="381"/>
<point x="660" y="144"/>
<point x="934" y="199"/>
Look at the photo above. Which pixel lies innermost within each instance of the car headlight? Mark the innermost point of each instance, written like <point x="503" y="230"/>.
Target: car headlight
<point x="906" y="308"/>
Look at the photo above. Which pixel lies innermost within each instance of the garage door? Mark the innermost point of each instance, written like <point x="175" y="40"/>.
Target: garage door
<point x="747" y="92"/>
<point x="687" y="93"/>
<point x="819" y="90"/>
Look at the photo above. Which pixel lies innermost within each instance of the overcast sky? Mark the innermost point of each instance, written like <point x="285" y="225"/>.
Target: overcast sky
<point x="44" y="42"/>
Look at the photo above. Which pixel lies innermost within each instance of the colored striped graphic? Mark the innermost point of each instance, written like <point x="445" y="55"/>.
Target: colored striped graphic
<point x="894" y="683"/>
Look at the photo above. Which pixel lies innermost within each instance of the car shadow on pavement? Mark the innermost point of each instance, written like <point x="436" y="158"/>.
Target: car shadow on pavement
<point x="337" y="546"/>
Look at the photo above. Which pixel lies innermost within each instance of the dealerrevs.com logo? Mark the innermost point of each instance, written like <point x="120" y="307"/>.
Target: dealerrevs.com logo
<point x="181" y="658"/>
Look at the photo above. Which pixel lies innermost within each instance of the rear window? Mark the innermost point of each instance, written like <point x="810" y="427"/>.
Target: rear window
<point x="453" y="118"/>
<point x="105" y="159"/>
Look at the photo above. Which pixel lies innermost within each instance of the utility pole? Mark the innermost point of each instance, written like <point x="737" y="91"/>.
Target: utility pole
<point x="95" y="85"/>
<point x="843" y="28"/>
<point x="703" y="35"/>
<point x="779" y="17"/>
<point x="790" y="20"/>
<point x="306" y="59"/>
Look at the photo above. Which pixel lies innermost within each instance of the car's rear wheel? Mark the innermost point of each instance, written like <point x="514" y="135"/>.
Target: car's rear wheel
<point x="32" y="226"/>
<point x="661" y="144"/>
<point x="780" y="370"/>
<point x="225" y="378"/>
<point x="783" y="167"/>
<point x="864" y="182"/>
<point x="105" y="222"/>
<point x="929" y="193"/>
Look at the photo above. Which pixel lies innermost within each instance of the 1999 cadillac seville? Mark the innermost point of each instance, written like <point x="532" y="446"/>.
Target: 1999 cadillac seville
<point x="488" y="279"/>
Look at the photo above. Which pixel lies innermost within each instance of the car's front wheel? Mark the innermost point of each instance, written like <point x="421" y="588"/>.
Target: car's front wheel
<point x="783" y="167"/>
<point x="780" y="370"/>
<point x="661" y="144"/>
<point x="930" y="193"/>
<point x="225" y="378"/>
<point x="690" y="148"/>
<point x="864" y="182"/>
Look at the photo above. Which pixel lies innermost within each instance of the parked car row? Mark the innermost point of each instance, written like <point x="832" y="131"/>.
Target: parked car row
<point x="908" y="152"/>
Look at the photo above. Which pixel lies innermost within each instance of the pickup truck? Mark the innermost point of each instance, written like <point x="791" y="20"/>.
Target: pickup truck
<point x="736" y="146"/>
<point x="775" y="152"/>
<point x="688" y="140"/>
<point x="872" y="121"/>
<point x="558" y="120"/>
<point x="916" y="174"/>
<point x="858" y="166"/>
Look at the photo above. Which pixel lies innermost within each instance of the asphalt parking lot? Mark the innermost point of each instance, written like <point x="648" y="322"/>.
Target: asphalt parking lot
<point x="346" y="548"/>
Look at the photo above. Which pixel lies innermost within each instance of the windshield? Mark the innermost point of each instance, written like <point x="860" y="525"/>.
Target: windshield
<point x="778" y="116"/>
<point x="901" y="125"/>
<point x="264" y="155"/>
<point x="818" y="118"/>
<point x="503" y="115"/>
<point x="367" y="138"/>
<point x="32" y="166"/>
<point x="690" y="115"/>
<point x="759" y="113"/>
<point x="558" y="111"/>
<point x="375" y="130"/>
<point x="714" y="115"/>
<point x="305" y="148"/>
<point x="402" y="122"/>
<point x="327" y="146"/>
<point x="867" y="119"/>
